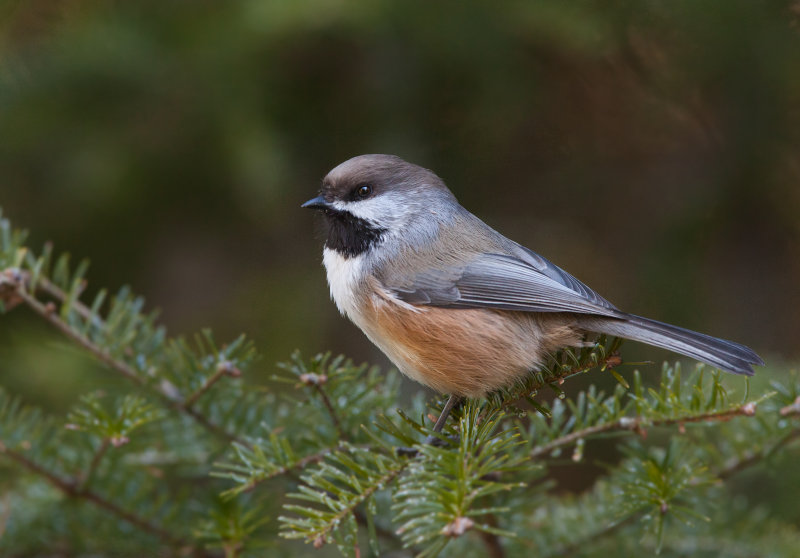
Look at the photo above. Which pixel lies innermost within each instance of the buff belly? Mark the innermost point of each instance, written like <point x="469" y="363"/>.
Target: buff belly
<point x="466" y="352"/>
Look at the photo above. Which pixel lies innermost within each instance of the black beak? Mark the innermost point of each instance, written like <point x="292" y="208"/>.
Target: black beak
<point x="316" y="203"/>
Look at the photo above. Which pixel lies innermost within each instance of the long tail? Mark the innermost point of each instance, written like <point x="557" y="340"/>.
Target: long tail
<point x="726" y="355"/>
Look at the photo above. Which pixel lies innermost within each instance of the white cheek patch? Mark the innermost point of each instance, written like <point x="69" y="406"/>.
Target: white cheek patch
<point x="345" y="277"/>
<point x="385" y="211"/>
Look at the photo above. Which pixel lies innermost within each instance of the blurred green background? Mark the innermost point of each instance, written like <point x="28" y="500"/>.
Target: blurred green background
<point x="650" y="148"/>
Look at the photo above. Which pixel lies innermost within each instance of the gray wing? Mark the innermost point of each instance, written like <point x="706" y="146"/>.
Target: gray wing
<point x="556" y="273"/>
<point x="505" y="282"/>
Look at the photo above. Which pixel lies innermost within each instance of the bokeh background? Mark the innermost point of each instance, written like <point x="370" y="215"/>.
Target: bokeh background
<point x="650" y="148"/>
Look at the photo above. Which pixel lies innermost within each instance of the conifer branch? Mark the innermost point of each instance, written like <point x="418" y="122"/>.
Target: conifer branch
<point x="48" y="287"/>
<point x="204" y="421"/>
<point x="300" y="464"/>
<point x="65" y="486"/>
<point x="634" y="424"/>
<point x="317" y="381"/>
<point x="737" y="465"/>
<point x="320" y="536"/>
<point x="223" y="369"/>
<point x="383" y="532"/>
<point x="72" y="489"/>
<point x="494" y="548"/>
<point x="453" y="484"/>
<point x="48" y="312"/>
<point x="331" y="411"/>
<point x="94" y="464"/>
<point x="360" y="517"/>
<point x="611" y="360"/>
<point x="556" y="376"/>
<point x="791" y="409"/>
<point x="341" y="483"/>
<point x="140" y="522"/>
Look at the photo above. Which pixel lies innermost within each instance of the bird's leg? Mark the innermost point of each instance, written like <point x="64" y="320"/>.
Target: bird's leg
<point x="448" y="408"/>
<point x="452" y="401"/>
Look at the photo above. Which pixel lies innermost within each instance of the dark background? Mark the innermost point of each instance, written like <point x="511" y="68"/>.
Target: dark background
<point x="650" y="148"/>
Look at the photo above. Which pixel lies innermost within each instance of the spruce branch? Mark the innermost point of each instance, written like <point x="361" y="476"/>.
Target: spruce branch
<point x="792" y="409"/>
<point x="255" y="467"/>
<point x="449" y="483"/>
<point x="224" y="368"/>
<point x="48" y="312"/>
<point x="367" y="521"/>
<point x="317" y="382"/>
<point x="232" y="530"/>
<point x="346" y="395"/>
<point x="602" y="354"/>
<point x="491" y="541"/>
<point x="73" y="489"/>
<point x="321" y="535"/>
<point x="86" y="478"/>
<point x="637" y="424"/>
<point x="172" y="375"/>
<point x="663" y="484"/>
<point x="739" y="464"/>
<point x="591" y="414"/>
<point x="335" y="488"/>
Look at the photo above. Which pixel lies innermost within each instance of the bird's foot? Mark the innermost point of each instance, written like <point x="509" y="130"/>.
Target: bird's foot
<point x="436" y="441"/>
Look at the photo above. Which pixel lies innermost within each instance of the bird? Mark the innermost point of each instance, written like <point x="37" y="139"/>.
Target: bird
<point x="454" y="304"/>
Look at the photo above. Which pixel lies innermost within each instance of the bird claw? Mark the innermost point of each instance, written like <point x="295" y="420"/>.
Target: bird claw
<point x="435" y="441"/>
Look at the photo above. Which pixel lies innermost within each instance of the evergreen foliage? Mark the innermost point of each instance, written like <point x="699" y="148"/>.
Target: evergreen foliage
<point x="183" y="457"/>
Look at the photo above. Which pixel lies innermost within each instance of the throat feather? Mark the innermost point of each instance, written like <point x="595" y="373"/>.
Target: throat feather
<point x="349" y="235"/>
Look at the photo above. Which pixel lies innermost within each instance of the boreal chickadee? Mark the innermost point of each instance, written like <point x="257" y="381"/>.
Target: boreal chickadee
<point x="454" y="304"/>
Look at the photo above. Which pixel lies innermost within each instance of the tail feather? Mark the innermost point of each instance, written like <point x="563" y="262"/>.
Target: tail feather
<point x="726" y="355"/>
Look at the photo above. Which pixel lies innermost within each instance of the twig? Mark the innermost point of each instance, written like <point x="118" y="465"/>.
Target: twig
<point x="637" y="423"/>
<point x="734" y="467"/>
<point x="321" y="536"/>
<point x="360" y="517"/>
<point x="288" y="469"/>
<point x="205" y="422"/>
<point x="494" y="549"/>
<point x="94" y="464"/>
<point x="47" y="311"/>
<point x="791" y="409"/>
<point x="331" y="411"/>
<point x="71" y="488"/>
<point x="610" y="361"/>
<point x="381" y="531"/>
<point x="223" y="369"/>
<point x="47" y="286"/>
<point x="49" y="314"/>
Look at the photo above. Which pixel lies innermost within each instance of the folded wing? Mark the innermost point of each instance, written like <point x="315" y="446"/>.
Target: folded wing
<point x="535" y="285"/>
<point x="504" y="282"/>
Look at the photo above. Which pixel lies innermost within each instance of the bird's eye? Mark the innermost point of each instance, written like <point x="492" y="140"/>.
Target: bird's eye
<point x="364" y="192"/>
